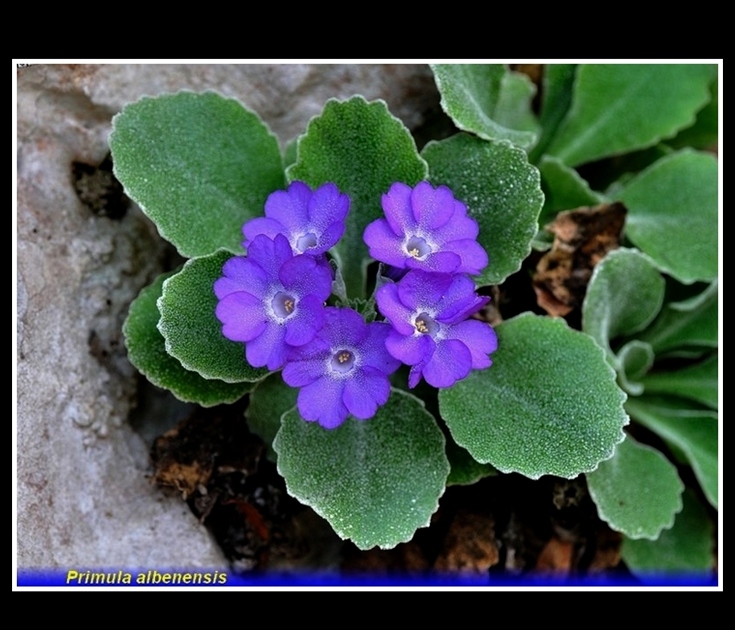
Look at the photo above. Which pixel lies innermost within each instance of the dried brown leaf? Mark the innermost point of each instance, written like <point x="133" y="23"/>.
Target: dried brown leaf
<point x="582" y="238"/>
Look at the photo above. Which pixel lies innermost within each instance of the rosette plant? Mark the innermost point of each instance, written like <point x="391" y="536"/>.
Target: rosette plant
<point x="328" y="282"/>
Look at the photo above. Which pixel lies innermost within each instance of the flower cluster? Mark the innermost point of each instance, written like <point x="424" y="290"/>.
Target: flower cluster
<point x="430" y="242"/>
<point x="275" y="298"/>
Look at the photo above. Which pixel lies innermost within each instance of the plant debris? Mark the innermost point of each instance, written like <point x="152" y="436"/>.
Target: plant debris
<point x="582" y="238"/>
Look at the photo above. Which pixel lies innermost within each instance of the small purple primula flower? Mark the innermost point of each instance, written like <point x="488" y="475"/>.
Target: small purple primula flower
<point x="311" y="221"/>
<point x="431" y="331"/>
<point x="343" y="371"/>
<point x="272" y="300"/>
<point x="425" y="228"/>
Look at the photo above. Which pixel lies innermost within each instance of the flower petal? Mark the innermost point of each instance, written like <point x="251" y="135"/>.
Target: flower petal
<point x="242" y="315"/>
<point x="307" y="275"/>
<point x="441" y="262"/>
<point x="383" y="244"/>
<point x="480" y="339"/>
<point x="473" y="255"/>
<point x="300" y="373"/>
<point x="321" y="401"/>
<point x="261" y="225"/>
<point x="344" y="327"/>
<point x="269" y="348"/>
<point x="241" y="274"/>
<point x="432" y="207"/>
<point x="450" y="363"/>
<point x="410" y="350"/>
<point x="305" y="322"/>
<point x="363" y="395"/>
<point x="290" y="207"/>
<point x="328" y="206"/>
<point x="391" y="307"/>
<point x="373" y="353"/>
<point x="459" y="301"/>
<point x="421" y="290"/>
<point x="329" y="238"/>
<point x="269" y="254"/>
<point x="414" y="376"/>
<point x="397" y="208"/>
<point x="460" y="227"/>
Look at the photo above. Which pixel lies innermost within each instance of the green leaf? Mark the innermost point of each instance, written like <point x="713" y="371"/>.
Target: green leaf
<point x="548" y="405"/>
<point x="375" y="481"/>
<point x="684" y="549"/>
<point x="199" y="165"/>
<point x="672" y="214"/>
<point x="564" y="189"/>
<point x="704" y="133"/>
<point x="488" y="100"/>
<point x="688" y="323"/>
<point x="147" y="352"/>
<point x="513" y="109"/>
<point x="269" y="400"/>
<point x="290" y="153"/>
<point x="556" y="93"/>
<point x="502" y="193"/>
<point x="465" y="469"/>
<point x="363" y="149"/>
<point x="692" y="431"/>
<point x="697" y="382"/>
<point x="622" y="107"/>
<point x="624" y="294"/>
<point x="192" y="331"/>
<point x="614" y="174"/>
<point x="637" y="492"/>
<point x="634" y="360"/>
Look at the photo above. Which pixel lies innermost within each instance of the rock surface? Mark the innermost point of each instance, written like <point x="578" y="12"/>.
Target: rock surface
<point x="83" y="498"/>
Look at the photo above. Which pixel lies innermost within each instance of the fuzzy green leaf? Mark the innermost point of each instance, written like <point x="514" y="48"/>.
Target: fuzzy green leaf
<point x="614" y="175"/>
<point x="376" y="481"/>
<point x="363" y="149"/>
<point x="688" y="323"/>
<point x="488" y="100"/>
<point x="564" y="189"/>
<point x="637" y="492"/>
<point x="548" y="405"/>
<point x="624" y="295"/>
<point x="623" y="107"/>
<point x="465" y="469"/>
<point x="684" y="549"/>
<point x="501" y="190"/>
<point x="697" y="382"/>
<point x="556" y="94"/>
<point x="634" y="360"/>
<point x="199" y="165"/>
<point x="147" y="352"/>
<point x="704" y="133"/>
<point x="192" y="331"/>
<point x="672" y="214"/>
<point x="692" y="431"/>
<point x="269" y="400"/>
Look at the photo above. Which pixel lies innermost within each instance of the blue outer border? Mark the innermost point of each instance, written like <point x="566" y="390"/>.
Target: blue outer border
<point x="58" y="578"/>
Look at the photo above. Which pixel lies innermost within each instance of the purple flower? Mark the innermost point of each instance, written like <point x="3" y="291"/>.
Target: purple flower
<point x="272" y="300"/>
<point x="425" y="228"/>
<point x="311" y="221"/>
<point x="343" y="371"/>
<point x="431" y="331"/>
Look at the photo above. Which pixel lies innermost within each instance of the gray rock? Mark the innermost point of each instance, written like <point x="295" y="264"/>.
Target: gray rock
<point x="83" y="498"/>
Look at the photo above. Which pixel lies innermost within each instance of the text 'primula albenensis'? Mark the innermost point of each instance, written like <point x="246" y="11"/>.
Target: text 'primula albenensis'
<point x="276" y="299"/>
